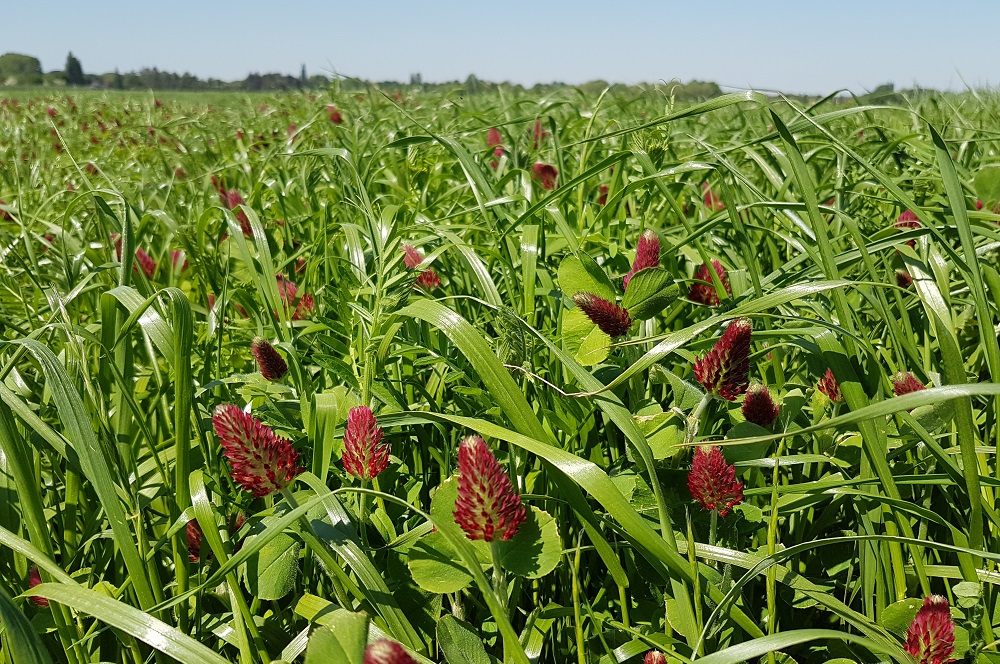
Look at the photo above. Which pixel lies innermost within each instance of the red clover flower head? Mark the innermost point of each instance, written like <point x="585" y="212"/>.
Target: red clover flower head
<point x="612" y="319"/>
<point x="759" y="407"/>
<point x="712" y="481"/>
<point x="35" y="579"/>
<point x="365" y="455"/>
<point x="828" y="385"/>
<point x="262" y="462"/>
<point x="647" y="254"/>
<point x="272" y="365"/>
<point x="702" y="290"/>
<point x="385" y="651"/>
<point x="654" y="657"/>
<point x="487" y="504"/>
<point x="546" y="174"/>
<point x="930" y="639"/>
<point x="723" y="370"/>
<point x="903" y="382"/>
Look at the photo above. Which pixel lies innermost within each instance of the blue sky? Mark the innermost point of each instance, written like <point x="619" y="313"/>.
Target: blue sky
<point x="793" y="46"/>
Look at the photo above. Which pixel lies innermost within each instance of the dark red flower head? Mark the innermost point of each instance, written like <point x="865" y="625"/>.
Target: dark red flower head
<point x="647" y="254"/>
<point x="385" y="651"/>
<point x="702" y="290"/>
<point x="903" y="382"/>
<point x="979" y="204"/>
<point x="262" y="462"/>
<point x="493" y="138"/>
<point x="828" y="385"/>
<point x="334" y="114"/>
<point x="724" y="369"/>
<point x="272" y="365"/>
<point x="546" y="175"/>
<point x="612" y="319"/>
<point x="711" y="201"/>
<point x="34" y="579"/>
<point x="602" y="194"/>
<point x="654" y="657"/>
<point x="305" y="308"/>
<point x="907" y="220"/>
<point x="428" y="279"/>
<point x="712" y="481"/>
<point x="51" y="111"/>
<point x="538" y="135"/>
<point x="194" y="539"/>
<point x="759" y="407"/>
<point x="411" y="256"/>
<point x="930" y="639"/>
<point x="487" y="504"/>
<point x="232" y="199"/>
<point x="287" y="290"/>
<point x="903" y="279"/>
<point x="146" y="262"/>
<point x="365" y="455"/>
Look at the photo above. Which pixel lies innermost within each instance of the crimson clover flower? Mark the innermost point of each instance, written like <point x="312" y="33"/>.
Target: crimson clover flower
<point x="723" y="370"/>
<point x="146" y="262"/>
<point x="487" y="504"/>
<point x="546" y="174"/>
<point x="35" y="579"/>
<point x="711" y="201"/>
<point x="903" y="279"/>
<point x="365" y="455"/>
<point x="702" y="290"/>
<point x="261" y="461"/>
<point x="931" y="636"/>
<point x="334" y="114"/>
<point x="428" y="279"/>
<point x="647" y="254"/>
<point x="759" y="407"/>
<point x="272" y="366"/>
<point x="903" y="382"/>
<point x="828" y="385"/>
<point x="654" y="657"/>
<point x="612" y="319"/>
<point x="712" y="481"/>
<point x="385" y="651"/>
<point x="194" y="539"/>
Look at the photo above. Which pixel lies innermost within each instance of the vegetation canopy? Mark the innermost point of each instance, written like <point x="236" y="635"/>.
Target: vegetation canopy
<point x="486" y="375"/>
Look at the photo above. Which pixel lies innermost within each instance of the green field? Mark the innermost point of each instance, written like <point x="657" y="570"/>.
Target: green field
<point x="457" y="264"/>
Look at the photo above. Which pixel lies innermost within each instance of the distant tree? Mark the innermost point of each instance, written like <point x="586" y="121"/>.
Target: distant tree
<point x="74" y="72"/>
<point x="118" y="82"/>
<point x="20" y="69"/>
<point x="416" y="79"/>
<point x="302" y="76"/>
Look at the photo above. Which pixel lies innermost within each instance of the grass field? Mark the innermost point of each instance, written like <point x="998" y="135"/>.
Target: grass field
<point x="370" y="280"/>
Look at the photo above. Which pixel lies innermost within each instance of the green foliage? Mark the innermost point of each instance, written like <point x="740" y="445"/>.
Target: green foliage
<point x="112" y="362"/>
<point x="17" y="69"/>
